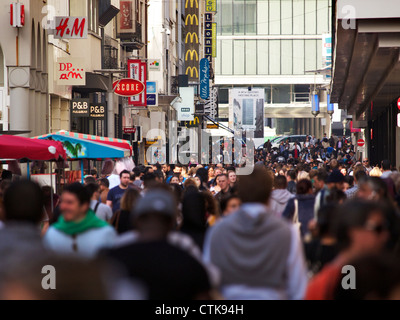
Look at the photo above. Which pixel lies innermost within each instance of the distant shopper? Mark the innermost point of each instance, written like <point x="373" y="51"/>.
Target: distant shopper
<point x="115" y="194"/>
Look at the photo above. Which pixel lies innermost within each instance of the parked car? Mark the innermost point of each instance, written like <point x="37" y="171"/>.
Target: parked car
<point x="300" y="139"/>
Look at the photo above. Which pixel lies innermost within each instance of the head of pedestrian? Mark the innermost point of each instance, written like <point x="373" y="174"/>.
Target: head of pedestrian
<point x="336" y="180"/>
<point x="75" y="202"/>
<point x="223" y="182"/>
<point x="154" y="215"/>
<point x="385" y="164"/>
<point x="361" y="227"/>
<point x="256" y="187"/>
<point x="94" y="191"/>
<point x="104" y="184"/>
<point x="23" y="203"/>
<point x="124" y="177"/>
<point x="372" y="188"/>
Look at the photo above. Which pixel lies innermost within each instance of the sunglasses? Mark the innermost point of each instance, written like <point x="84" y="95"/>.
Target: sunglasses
<point x="377" y="228"/>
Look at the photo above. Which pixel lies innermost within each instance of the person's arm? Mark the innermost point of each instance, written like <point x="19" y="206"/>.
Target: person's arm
<point x="296" y="268"/>
<point x="289" y="210"/>
<point x="110" y="198"/>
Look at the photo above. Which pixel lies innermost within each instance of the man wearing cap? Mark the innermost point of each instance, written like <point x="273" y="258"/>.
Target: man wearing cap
<point x="167" y="271"/>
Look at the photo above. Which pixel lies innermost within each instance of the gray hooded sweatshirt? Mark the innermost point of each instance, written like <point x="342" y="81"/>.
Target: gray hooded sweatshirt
<point x="278" y="201"/>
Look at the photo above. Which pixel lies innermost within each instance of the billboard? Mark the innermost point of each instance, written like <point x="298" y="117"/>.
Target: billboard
<point x="185" y="109"/>
<point x="247" y="110"/>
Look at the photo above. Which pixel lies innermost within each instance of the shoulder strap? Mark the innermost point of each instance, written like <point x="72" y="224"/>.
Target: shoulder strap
<point x="97" y="205"/>
<point x="296" y="211"/>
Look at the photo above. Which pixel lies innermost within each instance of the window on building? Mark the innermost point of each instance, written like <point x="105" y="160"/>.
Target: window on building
<point x="281" y="94"/>
<point x="93" y="15"/>
<point x="238" y="16"/>
<point x="251" y="17"/>
<point x="223" y="95"/>
<point x="248" y="112"/>
<point x="239" y="57"/>
<point x="225" y="17"/>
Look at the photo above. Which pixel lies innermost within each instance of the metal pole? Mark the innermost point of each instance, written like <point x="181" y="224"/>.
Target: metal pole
<point x="110" y="108"/>
<point x="82" y="181"/>
<point x="29" y="170"/>
<point x="199" y="140"/>
<point x="51" y="186"/>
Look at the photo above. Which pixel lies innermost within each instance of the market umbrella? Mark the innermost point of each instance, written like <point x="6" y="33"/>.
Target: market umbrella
<point x="21" y="148"/>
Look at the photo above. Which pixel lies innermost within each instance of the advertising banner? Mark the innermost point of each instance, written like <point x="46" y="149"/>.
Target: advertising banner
<point x="247" y="110"/>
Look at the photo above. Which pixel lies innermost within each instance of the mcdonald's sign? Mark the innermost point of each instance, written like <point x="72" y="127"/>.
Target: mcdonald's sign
<point x="193" y="71"/>
<point x="193" y="54"/>
<point x="192" y="40"/>
<point x="192" y="36"/>
<point x="191" y="3"/>
<point x="192" y="18"/>
<point x="195" y="123"/>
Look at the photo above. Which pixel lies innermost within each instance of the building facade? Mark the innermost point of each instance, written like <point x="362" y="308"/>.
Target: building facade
<point x="276" y="45"/>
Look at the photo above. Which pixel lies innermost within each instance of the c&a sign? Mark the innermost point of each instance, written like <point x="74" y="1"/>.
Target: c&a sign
<point x="70" y="72"/>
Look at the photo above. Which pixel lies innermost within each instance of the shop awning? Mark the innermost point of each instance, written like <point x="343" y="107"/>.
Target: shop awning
<point x="84" y="146"/>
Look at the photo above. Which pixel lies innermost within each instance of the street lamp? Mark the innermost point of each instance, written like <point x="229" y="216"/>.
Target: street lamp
<point x="315" y="103"/>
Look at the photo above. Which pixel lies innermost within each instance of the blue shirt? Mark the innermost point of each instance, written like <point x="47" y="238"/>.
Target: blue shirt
<point x="115" y="195"/>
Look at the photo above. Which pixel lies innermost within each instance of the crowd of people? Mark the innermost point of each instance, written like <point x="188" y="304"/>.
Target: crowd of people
<point x="285" y="231"/>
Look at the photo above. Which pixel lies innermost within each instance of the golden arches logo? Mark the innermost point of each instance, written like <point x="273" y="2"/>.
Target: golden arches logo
<point x="193" y="36"/>
<point x="193" y="54"/>
<point x="192" y="17"/>
<point x="192" y="70"/>
<point x="191" y="3"/>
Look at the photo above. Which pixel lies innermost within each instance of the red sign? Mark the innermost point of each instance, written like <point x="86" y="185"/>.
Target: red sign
<point x="360" y="142"/>
<point x="128" y="87"/>
<point x="71" y="28"/>
<point x="126" y="15"/>
<point x="17" y="15"/>
<point x="137" y="71"/>
<point x="129" y="130"/>
<point x="398" y="103"/>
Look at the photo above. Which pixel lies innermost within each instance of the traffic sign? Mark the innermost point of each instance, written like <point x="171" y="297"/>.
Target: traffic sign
<point x="360" y="142"/>
<point x="130" y="130"/>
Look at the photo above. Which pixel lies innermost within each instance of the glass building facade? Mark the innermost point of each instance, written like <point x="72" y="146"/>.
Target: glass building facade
<point x="270" y="37"/>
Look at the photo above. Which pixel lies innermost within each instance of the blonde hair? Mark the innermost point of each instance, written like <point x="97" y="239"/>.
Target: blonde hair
<point x="303" y="175"/>
<point x="375" y="172"/>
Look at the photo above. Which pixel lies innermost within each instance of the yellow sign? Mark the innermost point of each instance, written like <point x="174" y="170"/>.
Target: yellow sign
<point x="191" y="3"/>
<point x="214" y="40"/>
<point x="192" y="17"/>
<point x="192" y="70"/>
<point x="211" y="5"/>
<point x="192" y="36"/>
<point x="193" y="54"/>
<point x="212" y="126"/>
